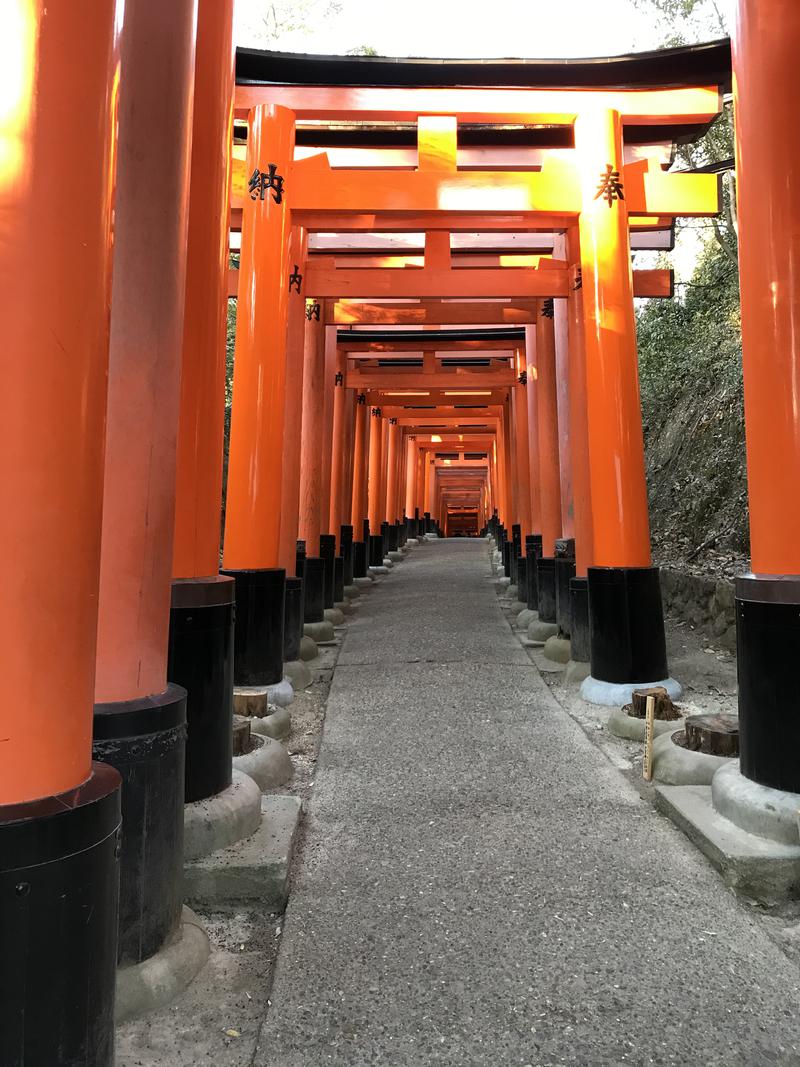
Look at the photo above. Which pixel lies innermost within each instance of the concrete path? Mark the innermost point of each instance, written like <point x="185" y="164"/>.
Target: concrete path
<point x="481" y="887"/>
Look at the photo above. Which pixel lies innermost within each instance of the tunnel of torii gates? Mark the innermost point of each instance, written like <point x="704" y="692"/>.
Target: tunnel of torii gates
<point x="435" y="333"/>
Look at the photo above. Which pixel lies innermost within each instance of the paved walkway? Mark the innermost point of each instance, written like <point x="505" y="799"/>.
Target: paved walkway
<point x="481" y="887"/>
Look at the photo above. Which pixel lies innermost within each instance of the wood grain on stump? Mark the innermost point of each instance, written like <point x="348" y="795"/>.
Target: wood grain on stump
<point x="665" y="710"/>
<point x="241" y="735"/>
<point x="716" y="735"/>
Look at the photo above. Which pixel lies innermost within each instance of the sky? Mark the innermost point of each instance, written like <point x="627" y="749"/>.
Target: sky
<point x="464" y="28"/>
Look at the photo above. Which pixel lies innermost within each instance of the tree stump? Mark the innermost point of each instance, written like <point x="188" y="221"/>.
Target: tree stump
<point x="716" y="735"/>
<point x="241" y="735"/>
<point x="665" y="710"/>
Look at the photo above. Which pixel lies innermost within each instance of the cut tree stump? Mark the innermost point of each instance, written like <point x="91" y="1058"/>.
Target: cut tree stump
<point x="716" y="735"/>
<point x="241" y="735"/>
<point x="665" y="710"/>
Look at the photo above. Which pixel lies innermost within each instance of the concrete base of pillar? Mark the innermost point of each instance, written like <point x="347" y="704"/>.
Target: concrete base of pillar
<point x="621" y="724"/>
<point x="431" y="537"/>
<point x="308" y="648"/>
<point x="517" y="607"/>
<point x="513" y="592"/>
<point x="155" y="982"/>
<point x="378" y="571"/>
<point x="502" y="584"/>
<point x="525" y="618"/>
<point x="221" y="820"/>
<point x="363" y="583"/>
<point x="388" y="563"/>
<point x="615" y="694"/>
<point x="276" y="724"/>
<point x="675" y="765"/>
<point x="755" y="808"/>
<point x="762" y="868"/>
<point x="268" y="764"/>
<point x="281" y="693"/>
<point x="319" y="631"/>
<point x="344" y="606"/>
<point x="412" y="542"/>
<point x="576" y="671"/>
<point x="396" y="556"/>
<point x="557" y="648"/>
<point x="352" y="592"/>
<point x="298" y="673"/>
<point x="540" y="632"/>
<point x="254" y="870"/>
<point x="334" y="616"/>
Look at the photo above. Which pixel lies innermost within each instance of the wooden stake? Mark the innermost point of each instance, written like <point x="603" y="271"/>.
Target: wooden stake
<point x="648" y="738"/>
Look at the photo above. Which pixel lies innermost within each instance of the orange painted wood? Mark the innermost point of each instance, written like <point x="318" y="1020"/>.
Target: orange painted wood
<point x="293" y="414"/>
<point x="375" y="470"/>
<point x="547" y="417"/>
<point x="311" y="499"/>
<point x="616" y="447"/>
<point x="768" y="172"/>
<point x="54" y="338"/>
<point x="144" y="366"/>
<point x="253" y="505"/>
<point x="437" y="283"/>
<point x="198" y="483"/>
<point x="360" y="460"/>
<point x="578" y="429"/>
<point x="338" y="443"/>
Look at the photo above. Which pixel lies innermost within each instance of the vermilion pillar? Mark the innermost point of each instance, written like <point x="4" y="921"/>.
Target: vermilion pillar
<point x="374" y="487"/>
<point x="392" y="470"/>
<point x="138" y="722"/>
<point x="580" y="642"/>
<point x="268" y="281"/>
<point x="59" y="813"/>
<point x="520" y="404"/>
<point x="765" y="49"/>
<point x="311" y="502"/>
<point x="358" y="511"/>
<point x="255" y="464"/>
<point x="627" y="629"/>
<point x="299" y="314"/>
<point x="532" y="395"/>
<point x="201" y="618"/>
<point x="411" y="475"/>
<point x="549" y="468"/>
<point x="338" y="441"/>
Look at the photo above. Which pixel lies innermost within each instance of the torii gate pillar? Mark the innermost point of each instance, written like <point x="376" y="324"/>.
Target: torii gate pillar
<point x="59" y="812"/>
<point x="628" y="646"/>
<point x="766" y="44"/>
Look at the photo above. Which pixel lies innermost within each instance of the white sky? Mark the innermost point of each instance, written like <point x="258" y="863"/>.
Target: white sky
<point x="482" y="28"/>
<point x="479" y="28"/>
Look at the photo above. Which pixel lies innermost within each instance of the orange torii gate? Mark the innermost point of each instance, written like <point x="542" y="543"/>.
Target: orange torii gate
<point x="590" y="189"/>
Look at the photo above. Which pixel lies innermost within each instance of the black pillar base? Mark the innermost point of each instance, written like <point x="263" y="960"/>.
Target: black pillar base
<point x="300" y="559"/>
<point x="546" y="583"/>
<point x="338" y="580"/>
<point x="145" y="740"/>
<point x="359" y="559"/>
<point x="393" y="535"/>
<point x="580" y="643"/>
<point x="258" y="633"/>
<point x="292" y="619"/>
<point x="327" y="553"/>
<point x="346" y="551"/>
<point x="565" y="572"/>
<point x="201" y="661"/>
<point x="375" y="550"/>
<point x="314" y="589"/>
<point x="522" y="580"/>
<point x="533" y="550"/>
<point x="516" y="551"/>
<point x="768" y="651"/>
<point x="59" y="872"/>
<point x="626" y="623"/>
